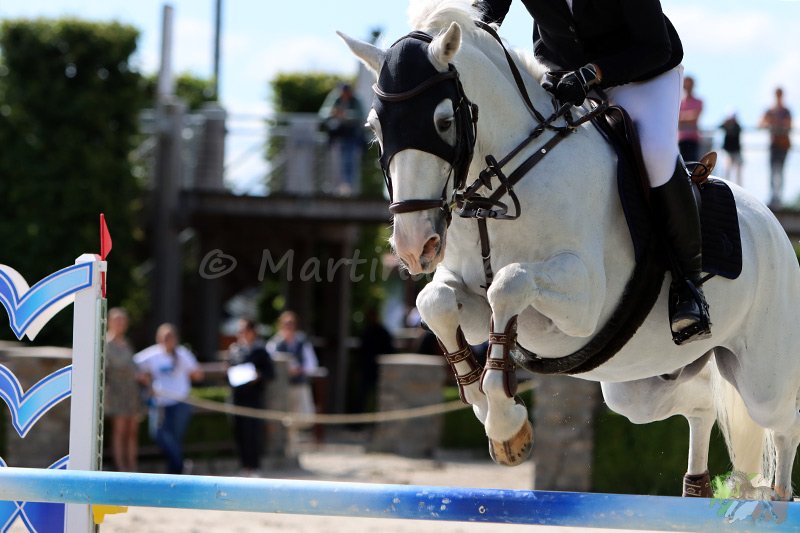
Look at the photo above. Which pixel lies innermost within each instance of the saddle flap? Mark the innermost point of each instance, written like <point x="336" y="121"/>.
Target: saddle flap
<point x="620" y="132"/>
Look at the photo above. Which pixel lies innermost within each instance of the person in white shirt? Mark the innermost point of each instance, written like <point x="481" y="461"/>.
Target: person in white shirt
<point x="168" y="370"/>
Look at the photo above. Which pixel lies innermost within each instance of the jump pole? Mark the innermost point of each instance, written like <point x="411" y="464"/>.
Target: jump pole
<point x="393" y="501"/>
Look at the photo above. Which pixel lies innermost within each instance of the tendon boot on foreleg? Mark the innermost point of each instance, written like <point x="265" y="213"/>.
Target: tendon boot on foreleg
<point x="515" y="447"/>
<point x="463" y="363"/>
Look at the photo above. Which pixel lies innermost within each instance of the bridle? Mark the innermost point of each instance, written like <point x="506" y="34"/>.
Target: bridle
<point x="466" y="120"/>
<point x="467" y="199"/>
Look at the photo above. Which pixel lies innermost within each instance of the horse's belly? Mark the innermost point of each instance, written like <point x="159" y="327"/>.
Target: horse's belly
<point x="650" y="352"/>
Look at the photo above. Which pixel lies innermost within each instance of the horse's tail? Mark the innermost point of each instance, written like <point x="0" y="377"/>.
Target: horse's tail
<point x="750" y="447"/>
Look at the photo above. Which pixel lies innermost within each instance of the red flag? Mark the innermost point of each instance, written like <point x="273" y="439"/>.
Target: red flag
<point x="105" y="248"/>
<point x="105" y="238"/>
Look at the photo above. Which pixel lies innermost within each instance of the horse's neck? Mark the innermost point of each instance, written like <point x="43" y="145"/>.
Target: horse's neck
<point x="505" y="120"/>
<point x="504" y="123"/>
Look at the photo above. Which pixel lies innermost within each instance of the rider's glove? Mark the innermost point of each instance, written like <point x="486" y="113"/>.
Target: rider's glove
<point x="574" y="85"/>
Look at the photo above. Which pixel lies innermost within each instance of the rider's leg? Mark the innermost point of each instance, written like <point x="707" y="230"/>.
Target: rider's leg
<point x="676" y="209"/>
<point x="654" y="105"/>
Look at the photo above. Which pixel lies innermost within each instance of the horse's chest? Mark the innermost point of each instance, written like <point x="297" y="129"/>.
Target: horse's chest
<point x="469" y="267"/>
<point x="464" y="257"/>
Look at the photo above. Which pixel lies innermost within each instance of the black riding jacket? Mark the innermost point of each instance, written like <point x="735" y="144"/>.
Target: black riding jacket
<point x="630" y="40"/>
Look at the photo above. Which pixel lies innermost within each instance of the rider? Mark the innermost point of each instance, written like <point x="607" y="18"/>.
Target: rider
<point x="632" y="51"/>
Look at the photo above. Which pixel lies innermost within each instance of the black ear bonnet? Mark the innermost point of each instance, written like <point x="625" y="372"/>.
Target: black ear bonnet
<point x="408" y="90"/>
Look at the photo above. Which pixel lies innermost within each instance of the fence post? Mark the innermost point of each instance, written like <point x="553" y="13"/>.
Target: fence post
<point x="86" y="410"/>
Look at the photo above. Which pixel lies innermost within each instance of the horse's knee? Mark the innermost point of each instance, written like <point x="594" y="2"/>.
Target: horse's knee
<point x="512" y="286"/>
<point x="437" y="302"/>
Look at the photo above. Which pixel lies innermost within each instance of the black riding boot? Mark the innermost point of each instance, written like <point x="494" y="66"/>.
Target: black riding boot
<point x="678" y="217"/>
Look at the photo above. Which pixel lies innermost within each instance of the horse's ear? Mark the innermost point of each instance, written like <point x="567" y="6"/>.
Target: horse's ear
<point x="370" y="55"/>
<point x="445" y="46"/>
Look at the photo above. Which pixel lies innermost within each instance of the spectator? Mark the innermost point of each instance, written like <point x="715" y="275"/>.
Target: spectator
<point x="121" y="396"/>
<point x="732" y="145"/>
<point x="343" y="119"/>
<point x="778" y="120"/>
<point x="168" y="370"/>
<point x="302" y="365"/>
<point x="688" y="129"/>
<point x="250" y="368"/>
<point x="375" y="340"/>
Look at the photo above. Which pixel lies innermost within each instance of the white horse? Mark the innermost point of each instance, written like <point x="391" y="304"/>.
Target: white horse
<point x="561" y="268"/>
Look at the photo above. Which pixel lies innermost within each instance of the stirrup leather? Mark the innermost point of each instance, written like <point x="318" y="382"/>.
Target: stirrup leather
<point x="463" y="354"/>
<point x="508" y="340"/>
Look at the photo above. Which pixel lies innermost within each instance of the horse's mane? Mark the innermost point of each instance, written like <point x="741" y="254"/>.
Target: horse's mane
<point x="435" y="16"/>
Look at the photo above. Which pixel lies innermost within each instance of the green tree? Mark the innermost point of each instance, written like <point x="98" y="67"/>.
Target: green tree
<point x="69" y="105"/>
<point x="193" y="90"/>
<point x="302" y="92"/>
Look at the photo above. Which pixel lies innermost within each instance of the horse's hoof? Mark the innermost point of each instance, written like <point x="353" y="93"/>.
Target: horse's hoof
<point x="515" y="450"/>
<point x="697" y="486"/>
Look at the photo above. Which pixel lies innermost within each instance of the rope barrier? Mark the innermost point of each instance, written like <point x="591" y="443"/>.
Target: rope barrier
<point x="289" y="419"/>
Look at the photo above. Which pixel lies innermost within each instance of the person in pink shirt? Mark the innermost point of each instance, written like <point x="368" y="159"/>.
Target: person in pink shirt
<point x="778" y="120"/>
<point x="688" y="130"/>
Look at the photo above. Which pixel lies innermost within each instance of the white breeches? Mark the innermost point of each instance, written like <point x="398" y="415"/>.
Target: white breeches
<point x="654" y="106"/>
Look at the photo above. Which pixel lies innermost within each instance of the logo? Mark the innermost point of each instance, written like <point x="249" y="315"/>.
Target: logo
<point x="216" y="264"/>
<point x="737" y="500"/>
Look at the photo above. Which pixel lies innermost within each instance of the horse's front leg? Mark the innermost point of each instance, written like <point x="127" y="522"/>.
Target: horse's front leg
<point x="567" y="292"/>
<point x="457" y="317"/>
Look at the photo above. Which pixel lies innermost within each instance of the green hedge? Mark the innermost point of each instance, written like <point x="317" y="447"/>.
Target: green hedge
<point x="649" y="458"/>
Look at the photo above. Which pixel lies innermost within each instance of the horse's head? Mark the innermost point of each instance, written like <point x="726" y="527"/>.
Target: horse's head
<point x="425" y="127"/>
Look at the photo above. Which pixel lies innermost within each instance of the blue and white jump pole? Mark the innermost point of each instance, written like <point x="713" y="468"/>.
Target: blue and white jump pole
<point x="398" y="501"/>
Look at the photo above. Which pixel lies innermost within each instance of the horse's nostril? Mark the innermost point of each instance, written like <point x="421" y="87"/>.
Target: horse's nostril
<point x="431" y="247"/>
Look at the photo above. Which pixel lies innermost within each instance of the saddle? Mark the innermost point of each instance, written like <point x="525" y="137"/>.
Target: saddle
<point x="722" y="249"/>
<point x="719" y="221"/>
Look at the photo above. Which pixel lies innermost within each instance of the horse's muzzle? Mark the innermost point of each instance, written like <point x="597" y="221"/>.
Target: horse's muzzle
<point x="430" y="253"/>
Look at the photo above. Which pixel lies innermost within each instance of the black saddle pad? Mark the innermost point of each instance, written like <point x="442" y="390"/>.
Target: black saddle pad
<point x="719" y="220"/>
<point x="722" y="242"/>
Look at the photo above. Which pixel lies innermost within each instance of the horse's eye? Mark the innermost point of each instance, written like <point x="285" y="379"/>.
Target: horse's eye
<point x="444" y="124"/>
